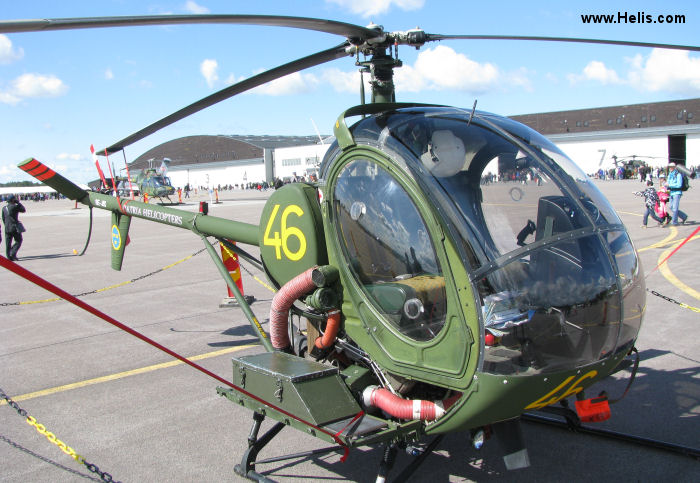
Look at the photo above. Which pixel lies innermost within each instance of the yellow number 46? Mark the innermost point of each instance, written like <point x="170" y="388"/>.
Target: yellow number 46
<point x="280" y="239"/>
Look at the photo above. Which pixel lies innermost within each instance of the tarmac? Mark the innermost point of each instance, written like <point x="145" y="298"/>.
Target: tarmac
<point x="140" y="416"/>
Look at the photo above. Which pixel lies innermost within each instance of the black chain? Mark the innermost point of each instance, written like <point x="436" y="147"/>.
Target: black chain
<point x="13" y="404"/>
<point x="104" y="476"/>
<point x="668" y="299"/>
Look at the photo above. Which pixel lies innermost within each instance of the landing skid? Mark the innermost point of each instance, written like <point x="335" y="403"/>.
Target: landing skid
<point x="249" y="462"/>
<point x="246" y="468"/>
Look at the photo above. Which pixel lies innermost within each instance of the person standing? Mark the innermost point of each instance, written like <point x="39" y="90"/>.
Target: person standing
<point x="675" y="183"/>
<point x="13" y="227"/>
<point x="650" y="201"/>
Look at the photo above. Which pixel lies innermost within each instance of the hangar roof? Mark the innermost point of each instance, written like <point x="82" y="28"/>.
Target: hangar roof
<point x="207" y="149"/>
<point x="656" y="114"/>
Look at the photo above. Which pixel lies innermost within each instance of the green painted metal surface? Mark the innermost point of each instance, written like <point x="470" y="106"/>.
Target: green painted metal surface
<point x="311" y="391"/>
<point x="291" y="232"/>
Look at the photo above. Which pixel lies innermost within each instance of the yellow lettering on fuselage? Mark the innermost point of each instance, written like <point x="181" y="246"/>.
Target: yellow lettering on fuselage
<point x="562" y="391"/>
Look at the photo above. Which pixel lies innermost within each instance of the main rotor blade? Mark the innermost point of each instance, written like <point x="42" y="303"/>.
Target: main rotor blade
<point x="232" y="90"/>
<point x="329" y="26"/>
<point x="432" y="37"/>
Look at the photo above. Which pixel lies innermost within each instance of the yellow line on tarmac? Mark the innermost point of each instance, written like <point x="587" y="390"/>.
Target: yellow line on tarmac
<point x="121" y="375"/>
<point x="666" y="272"/>
<point x="673" y="232"/>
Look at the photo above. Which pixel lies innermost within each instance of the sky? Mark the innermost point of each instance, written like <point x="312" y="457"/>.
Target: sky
<point x="63" y="91"/>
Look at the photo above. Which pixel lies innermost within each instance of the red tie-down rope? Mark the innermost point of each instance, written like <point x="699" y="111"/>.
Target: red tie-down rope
<point x="35" y="279"/>
<point x="675" y="250"/>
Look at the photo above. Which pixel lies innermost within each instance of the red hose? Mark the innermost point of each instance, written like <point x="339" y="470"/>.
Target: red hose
<point x="332" y="327"/>
<point x="282" y="302"/>
<point x="405" y="408"/>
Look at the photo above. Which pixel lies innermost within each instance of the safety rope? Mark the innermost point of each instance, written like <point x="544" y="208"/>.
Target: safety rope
<point x="674" y="250"/>
<point x="52" y="438"/>
<point x="35" y="279"/>
<point x="104" y="289"/>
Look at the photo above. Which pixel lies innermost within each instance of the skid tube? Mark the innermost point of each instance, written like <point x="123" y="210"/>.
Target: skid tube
<point x="247" y="466"/>
<point x="573" y="423"/>
<point x="255" y="444"/>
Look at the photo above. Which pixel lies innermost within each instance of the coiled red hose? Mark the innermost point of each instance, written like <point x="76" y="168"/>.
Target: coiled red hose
<point x="282" y="302"/>
<point x="405" y="408"/>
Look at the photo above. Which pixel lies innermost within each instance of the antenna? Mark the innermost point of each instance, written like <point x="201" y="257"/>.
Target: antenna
<point x="316" y="129"/>
<point x="472" y="113"/>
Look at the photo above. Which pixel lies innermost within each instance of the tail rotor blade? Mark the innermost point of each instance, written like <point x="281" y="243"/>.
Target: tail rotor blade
<point x="51" y="178"/>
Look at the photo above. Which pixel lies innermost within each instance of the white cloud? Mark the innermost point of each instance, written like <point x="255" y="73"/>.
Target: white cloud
<point x="442" y="68"/>
<point x="8" y="53"/>
<point x="109" y="75"/>
<point x="209" y="69"/>
<point x="231" y="79"/>
<point x="673" y="71"/>
<point x="9" y="98"/>
<point x="596" y="70"/>
<point x="666" y="70"/>
<point x="195" y="8"/>
<point x="296" y="83"/>
<point x="71" y="156"/>
<point x="32" y="86"/>
<point x="345" y="81"/>
<point x="438" y="69"/>
<point x="551" y="77"/>
<point x="375" y="7"/>
<point x="36" y="85"/>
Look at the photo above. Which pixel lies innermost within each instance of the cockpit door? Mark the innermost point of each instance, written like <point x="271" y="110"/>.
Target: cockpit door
<point x="396" y="265"/>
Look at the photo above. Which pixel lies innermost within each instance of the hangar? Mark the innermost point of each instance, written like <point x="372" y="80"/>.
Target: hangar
<point x="655" y="133"/>
<point x="596" y="138"/>
<point x="209" y="161"/>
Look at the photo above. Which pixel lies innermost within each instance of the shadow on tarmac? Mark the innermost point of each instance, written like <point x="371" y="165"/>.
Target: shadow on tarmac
<point x="661" y="396"/>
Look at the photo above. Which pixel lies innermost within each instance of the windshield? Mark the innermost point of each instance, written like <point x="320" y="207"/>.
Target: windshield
<point x="160" y="181"/>
<point x="545" y="249"/>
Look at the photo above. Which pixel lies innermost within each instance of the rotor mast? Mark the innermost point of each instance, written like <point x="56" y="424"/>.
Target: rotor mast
<point x="382" y="61"/>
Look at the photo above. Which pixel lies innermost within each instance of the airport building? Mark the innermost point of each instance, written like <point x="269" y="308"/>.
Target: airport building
<point x="655" y="133"/>
<point x="210" y="161"/>
<point x="598" y="138"/>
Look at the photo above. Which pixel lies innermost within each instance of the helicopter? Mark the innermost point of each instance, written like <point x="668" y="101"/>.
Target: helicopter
<point x="149" y="182"/>
<point x="154" y="182"/>
<point x="434" y="300"/>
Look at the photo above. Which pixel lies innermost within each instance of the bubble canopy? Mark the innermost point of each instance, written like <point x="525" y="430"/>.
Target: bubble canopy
<point x="557" y="277"/>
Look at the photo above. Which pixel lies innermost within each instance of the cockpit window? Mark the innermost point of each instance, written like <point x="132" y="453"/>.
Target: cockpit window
<point x="499" y="188"/>
<point x="554" y="271"/>
<point x="389" y="249"/>
<point x="585" y="189"/>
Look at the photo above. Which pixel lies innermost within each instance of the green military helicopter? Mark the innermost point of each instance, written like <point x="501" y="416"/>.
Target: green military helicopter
<point x="435" y="299"/>
<point x="149" y="183"/>
<point x="155" y="183"/>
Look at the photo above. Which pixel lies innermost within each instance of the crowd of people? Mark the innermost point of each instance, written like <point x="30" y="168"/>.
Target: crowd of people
<point x="253" y="185"/>
<point x="641" y="173"/>
<point x="39" y="196"/>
